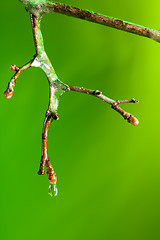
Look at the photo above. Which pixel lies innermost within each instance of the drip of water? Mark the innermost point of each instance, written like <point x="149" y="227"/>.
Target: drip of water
<point x="53" y="191"/>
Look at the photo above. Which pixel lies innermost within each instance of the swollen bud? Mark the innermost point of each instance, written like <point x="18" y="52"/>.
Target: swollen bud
<point x="14" y="68"/>
<point x="53" y="179"/>
<point x="133" y="120"/>
<point x="8" y="94"/>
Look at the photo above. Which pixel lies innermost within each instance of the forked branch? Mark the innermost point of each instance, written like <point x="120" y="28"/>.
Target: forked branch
<point x="11" y="85"/>
<point x="37" y="9"/>
<point x="114" y="104"/>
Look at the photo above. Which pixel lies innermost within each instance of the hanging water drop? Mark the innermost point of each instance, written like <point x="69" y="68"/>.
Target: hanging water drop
<point x="53" y="191"/>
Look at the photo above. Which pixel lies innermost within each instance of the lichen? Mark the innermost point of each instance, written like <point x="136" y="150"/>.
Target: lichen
<point x="37" y="7"/>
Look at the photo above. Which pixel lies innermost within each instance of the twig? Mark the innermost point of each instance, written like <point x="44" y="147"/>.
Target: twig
<point x="11" y="85"/>
<point x="114" y="104"/>
<point x="45" y="159"/>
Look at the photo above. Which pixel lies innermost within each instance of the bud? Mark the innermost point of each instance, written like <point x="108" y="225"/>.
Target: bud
<point x="53" y="179"/>
<point x="133" y="120"/>
<point x="14" y="68"/>
<point x="8" y="94"/>
<point x="41" y="172"/>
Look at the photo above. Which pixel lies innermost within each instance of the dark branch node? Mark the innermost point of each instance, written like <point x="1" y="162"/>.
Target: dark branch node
<point x="41" y="172"/>
<point x="51" y="115"/>
<point x="97" y="92"/>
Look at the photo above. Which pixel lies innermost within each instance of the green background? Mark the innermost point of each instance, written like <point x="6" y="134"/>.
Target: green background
<point x="108" y="170"/>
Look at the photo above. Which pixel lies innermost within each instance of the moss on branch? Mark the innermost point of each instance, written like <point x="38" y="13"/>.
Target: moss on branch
<point x="37" y="9"/>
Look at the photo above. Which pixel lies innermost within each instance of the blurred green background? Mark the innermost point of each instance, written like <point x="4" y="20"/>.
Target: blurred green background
<point x="108" y="170"/>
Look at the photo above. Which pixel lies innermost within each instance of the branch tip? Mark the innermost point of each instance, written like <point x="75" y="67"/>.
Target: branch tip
<point x="41" y="172"/>
<point x="126" y="101"/>
<point x="11" y="85"/>
<point x="14" y="67"/>
<point x="52" y="178"/>
<point x="133" y="120"/>
<point x="114" y="104"/>
<point x="8" y="94"/>
<point x="134" y="100"/>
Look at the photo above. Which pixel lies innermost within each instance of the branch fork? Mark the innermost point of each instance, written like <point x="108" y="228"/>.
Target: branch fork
<point x="114" y="104"/>
<point x="127" y="116"/>
<point x="57" y="88"/>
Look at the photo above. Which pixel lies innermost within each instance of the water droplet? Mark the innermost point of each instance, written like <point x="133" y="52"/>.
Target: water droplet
<point x="53" y="191"/>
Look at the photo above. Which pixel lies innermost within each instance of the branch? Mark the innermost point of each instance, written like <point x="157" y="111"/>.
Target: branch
<point x="43" y="7"/>
<point x="11" y="85"/>
<point x="57" y="88"/>
<point x="37" y="9"/>
<point x="114" y="104"/>
<point x="45" y="159"/>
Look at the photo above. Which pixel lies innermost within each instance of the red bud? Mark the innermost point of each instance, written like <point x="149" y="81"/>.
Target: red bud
<point x="7" y="94"/>
<point x="53" y="179"/>
<point x="14" y="68"/>
<point x="133" y="120"/>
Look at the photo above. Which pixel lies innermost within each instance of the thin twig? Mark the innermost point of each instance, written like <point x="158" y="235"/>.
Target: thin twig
<point x="127" y="101"/>
<point x="11" y="85"/>
<point x="45" y="159"/>
<point x="114" y="104"/>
